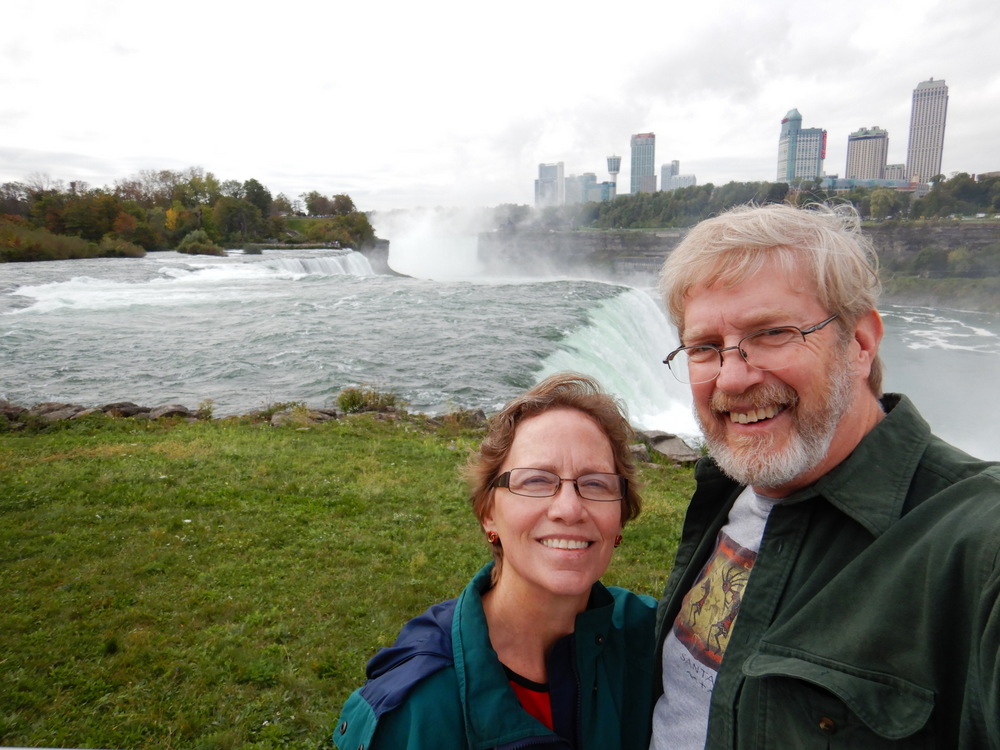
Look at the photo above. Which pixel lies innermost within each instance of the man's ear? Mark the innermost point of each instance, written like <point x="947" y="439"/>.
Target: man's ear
<point x="868" y="336"/>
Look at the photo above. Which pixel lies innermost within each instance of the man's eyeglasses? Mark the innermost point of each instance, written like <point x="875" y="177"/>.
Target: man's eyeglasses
<point x="770" y="349"/>
<point x="541" y="483"/>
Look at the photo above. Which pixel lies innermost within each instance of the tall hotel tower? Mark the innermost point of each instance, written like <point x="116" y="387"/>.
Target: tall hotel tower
<point x="643" y="163"/>
<point x="867" y="151"/>
<point x="927" y="117"/>
<point x="550" y="187"/>
<point x="800" y="150"/>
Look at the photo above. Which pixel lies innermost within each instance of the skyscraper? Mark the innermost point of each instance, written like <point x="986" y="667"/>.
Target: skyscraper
<point x="550" y="187"/>
<point x="927" y="119"/>
<point x="867" y="151"/>
<point x="801" y="151"/>
<point x="643" y="163"/>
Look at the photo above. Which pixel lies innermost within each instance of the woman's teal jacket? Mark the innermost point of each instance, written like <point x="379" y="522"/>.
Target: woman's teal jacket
<point x="442" y="686"/>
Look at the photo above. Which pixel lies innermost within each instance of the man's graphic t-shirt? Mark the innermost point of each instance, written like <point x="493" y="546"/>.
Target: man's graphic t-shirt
<point x="693" y="650"/>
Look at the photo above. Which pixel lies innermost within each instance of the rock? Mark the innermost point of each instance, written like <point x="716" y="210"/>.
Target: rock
<point x="124" y="409"/>
<point x="300" y="417"/>
<point x="10" y="411"/>
<point x="640" y="452"/>
<point x="53" y="411"/>
<point x="48" y="407"/>
<point x="170" y="410"/>
<point x="57" y="415"/>
<point x="671" y="446"/>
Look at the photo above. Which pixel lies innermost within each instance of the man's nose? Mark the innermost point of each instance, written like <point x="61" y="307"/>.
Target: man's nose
<point x="736" y="375"/>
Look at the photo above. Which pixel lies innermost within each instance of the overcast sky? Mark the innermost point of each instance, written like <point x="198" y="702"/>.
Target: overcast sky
<point x="453" y="103"/>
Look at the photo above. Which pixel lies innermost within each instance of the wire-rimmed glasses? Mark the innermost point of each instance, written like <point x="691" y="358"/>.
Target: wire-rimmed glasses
<point x="541" y="483"/>
<point x="768" y="350"/>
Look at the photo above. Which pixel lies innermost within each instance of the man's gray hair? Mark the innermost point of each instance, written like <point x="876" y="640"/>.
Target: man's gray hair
<point x="819" y="244"/>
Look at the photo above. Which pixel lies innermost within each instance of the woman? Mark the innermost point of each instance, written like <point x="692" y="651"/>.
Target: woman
<point x="535" y="652"/>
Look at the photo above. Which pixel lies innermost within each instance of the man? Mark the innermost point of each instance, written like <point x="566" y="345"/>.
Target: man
<point x="838" y="578"/>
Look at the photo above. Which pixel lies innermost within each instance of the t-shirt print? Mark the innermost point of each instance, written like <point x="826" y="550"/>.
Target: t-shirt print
<point x="709" y="610"/>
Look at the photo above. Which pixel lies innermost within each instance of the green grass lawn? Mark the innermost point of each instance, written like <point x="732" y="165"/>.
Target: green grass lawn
<point x="221" y="584"/>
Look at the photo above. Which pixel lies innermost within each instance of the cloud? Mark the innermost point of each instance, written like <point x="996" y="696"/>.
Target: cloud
<point x="448" y="103"/>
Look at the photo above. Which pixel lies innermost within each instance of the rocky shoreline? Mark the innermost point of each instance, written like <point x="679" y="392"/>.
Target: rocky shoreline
<point x="55" y="411"/>
<point x="14" y="418"/>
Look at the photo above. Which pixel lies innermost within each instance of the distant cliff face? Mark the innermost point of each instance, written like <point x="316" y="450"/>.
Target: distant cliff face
<point x="897" y="240"/>
<point x="620" y="253"/>
<point x="606" y="252"/>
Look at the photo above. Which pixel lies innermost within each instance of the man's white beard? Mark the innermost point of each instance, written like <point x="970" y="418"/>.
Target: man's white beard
<point x="756" y="462"/>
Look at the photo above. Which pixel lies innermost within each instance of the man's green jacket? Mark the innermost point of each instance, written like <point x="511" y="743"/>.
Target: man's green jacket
<point x="872" y="616"/>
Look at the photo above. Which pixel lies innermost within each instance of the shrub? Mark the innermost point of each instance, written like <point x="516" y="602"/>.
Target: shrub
<point x="199" y="243"/>
<point x="111" y="247"/>
<point x="354" y="400"/>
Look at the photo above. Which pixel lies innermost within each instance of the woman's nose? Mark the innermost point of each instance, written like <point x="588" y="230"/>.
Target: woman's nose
<point x="566" y="504"/>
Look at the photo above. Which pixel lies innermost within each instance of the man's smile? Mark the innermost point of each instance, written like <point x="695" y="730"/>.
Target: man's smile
<point x="755" y="414"/>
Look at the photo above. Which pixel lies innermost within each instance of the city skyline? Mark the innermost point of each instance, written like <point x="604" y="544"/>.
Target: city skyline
<point x="403" y="106"/>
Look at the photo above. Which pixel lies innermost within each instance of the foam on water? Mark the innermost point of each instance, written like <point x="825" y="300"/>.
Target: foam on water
<point x="927" y="328"/>
<point x="187" y="282"/>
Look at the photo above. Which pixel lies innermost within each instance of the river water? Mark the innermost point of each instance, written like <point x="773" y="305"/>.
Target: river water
<point x="251" y="330"/>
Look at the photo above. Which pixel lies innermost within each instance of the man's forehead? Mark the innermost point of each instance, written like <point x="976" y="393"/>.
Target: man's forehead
<point x="740" y="307"/>
<point x="746" y="320"/>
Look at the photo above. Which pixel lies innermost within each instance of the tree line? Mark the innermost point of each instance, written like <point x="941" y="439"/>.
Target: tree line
<point x="189" y="210"/>
<point x="959" y="195"/>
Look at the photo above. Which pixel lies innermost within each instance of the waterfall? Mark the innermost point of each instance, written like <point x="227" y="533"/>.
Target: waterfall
<point x="623" y="347"/>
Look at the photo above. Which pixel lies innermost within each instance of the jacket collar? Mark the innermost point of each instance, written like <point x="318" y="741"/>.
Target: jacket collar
<point x="492" y="712"/>
<point x="865" y="486"/>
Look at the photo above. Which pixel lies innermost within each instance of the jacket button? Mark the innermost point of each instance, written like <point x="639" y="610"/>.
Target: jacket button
<point x="599" y="640"/>
<point x="827" y="724"/>
<point x="343" y="728"/>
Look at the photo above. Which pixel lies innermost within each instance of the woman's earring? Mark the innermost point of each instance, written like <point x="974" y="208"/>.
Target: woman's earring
<point x="618" y="540"/>
<point x="492" y="537"/>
